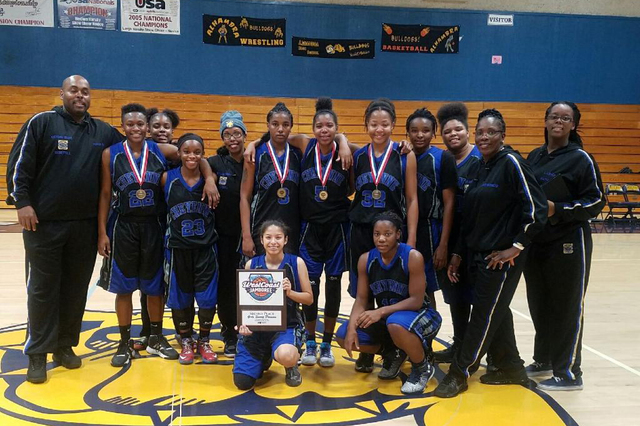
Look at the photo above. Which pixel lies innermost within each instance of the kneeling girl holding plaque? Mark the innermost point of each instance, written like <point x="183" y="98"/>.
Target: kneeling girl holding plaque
<point x="256" y="349"/>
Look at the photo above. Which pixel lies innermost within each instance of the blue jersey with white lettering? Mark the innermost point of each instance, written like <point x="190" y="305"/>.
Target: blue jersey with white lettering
<point x="364" y="207"/>
<point x="125" y="185"/>
<point x="314" y="209"/>
<point x="389" y="284"/>
<point x="290" y="266"/>
<point x="190" y="221"/>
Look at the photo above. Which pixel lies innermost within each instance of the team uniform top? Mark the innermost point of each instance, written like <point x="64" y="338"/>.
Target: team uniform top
<point x="55" y="162"/>
<point x="125" y="185"/>
<point x="313" y="209"/>
<point x="229" y="173"/>
<point x="436" y="171"/>
<point x="290" y="265"/>
<point x="581" y="176"/>
<point x="389" y="284"/>
<point x="266" y="204"/>
<point x="190" y="222"/>
<point x="503" y="205"/>
<point x="364" y="207"/>
<point x="465" y="168"/>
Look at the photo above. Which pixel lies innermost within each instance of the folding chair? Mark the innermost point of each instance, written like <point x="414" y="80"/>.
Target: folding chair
<point x="632" y="197"/>
<point x="618" y="207"/>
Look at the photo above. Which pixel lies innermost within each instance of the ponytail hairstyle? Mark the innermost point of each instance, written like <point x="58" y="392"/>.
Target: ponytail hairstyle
<point x="380" y="104"/>
<point x="325" y="106"/>
<point x="574" y="137"/>
<point x="278" y="108"/>
<point x="495" y="114"/>
<point x="453" y="111"/>
<point x="423" y="113"/>
<point x="171" y="115"/>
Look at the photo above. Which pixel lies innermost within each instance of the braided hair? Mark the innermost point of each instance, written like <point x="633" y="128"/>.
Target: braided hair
<point x="380" y="104"/>
<point x="422" y="113"/>
<point x="280" y="107"/>
<point x="491" y="112"/>
<point x="574" y="137"/>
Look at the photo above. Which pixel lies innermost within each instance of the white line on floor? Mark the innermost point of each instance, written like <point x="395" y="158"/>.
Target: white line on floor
<point x="590" y="349"/>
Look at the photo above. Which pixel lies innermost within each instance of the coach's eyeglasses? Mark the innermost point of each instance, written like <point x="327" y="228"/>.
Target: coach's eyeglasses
<point x="234" y="135"/>
<point x="564" y="118"/>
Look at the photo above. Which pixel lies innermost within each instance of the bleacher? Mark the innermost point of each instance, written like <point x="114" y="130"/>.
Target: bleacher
<point x="611" y="133"/>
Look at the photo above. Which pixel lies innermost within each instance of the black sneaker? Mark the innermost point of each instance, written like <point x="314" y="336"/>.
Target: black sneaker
<point x="141" y="343"/>
<point x="293" y="377"/>
<point x="230" y="348"/>
<point x="451" y="386"/>
<point x="446" y="355"/>
<point x="418" y="378"/>
<point x="37" y="371"/>
<point x="364" y="363"/>
<point x="537" y="369"/>
<point x="501" y="377"/>
<point x="158" y="345"/>
<point x="491" y="367"/>
<point x="124" y="354"/>
<point x="67" y="358"/>
<point x="391" y="364"/>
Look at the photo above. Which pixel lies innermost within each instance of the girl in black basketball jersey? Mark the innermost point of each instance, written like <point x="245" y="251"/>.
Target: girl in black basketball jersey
<point x="227" y="165"/>
<point x="270" y="187"/>
<point x="392" y="274"/>
<point x="558" y="265"/>
<point x="383" y="179"/>
<point x="437" y="180"/>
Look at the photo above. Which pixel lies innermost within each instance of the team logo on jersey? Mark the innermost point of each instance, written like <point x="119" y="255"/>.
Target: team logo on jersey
<point x="261" y="286"/>
<point x="567" y="248"/>
<point x="222" y="180"/>
<point x="63" y="145"/>
<point x="153" y="391"/>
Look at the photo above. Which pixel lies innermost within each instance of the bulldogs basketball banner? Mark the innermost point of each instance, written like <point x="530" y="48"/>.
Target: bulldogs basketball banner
<point x="243" y="31"/>
<point x="333" y="48"/>
<point x="419" y="38"/>
<point x="261" y="299"/>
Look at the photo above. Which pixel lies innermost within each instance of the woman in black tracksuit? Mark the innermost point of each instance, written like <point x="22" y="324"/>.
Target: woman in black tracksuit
<point x="557" y="268"/>
<point x="504" y="208"/>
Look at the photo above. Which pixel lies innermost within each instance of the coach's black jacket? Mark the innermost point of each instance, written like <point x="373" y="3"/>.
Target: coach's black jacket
<point x="503" y="205"/>
<point x="54" y="165"/>
<point x="581" y="175"/>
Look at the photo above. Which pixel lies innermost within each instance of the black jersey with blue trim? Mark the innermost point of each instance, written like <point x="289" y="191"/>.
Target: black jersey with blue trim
<point x="312" y="208"/>
<point x="389" y="284"/>
<point x="465" y="168"/>
<point x="581" y="175"/>
<point x="364" y="207"/>
<point x="190" y="221"/>
<point x="266" y="205"/>
<point x="229" y="172"/>
<point x="503" y="204"/>
<point x="125" y="185"/>
<point x="290" y="266"/>
<point x="436" y="171"/>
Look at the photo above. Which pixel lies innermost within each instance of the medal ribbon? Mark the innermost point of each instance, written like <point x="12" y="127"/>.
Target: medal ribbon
<point x="324" y="177"/>
<point x="139" y="174"/>
<point x="377" y="174"/>
<point x="282" y="175"/>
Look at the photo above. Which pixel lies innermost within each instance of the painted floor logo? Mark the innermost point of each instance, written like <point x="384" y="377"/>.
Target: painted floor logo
<point x="153" y="391"/>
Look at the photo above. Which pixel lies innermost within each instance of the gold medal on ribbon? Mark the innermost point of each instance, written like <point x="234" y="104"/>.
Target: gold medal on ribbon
<point x="376" y="194"/>
<point x="141" y="194"/>
<point x="282" y="174"/>
<point x="323" y="195"/>
<point x="282" y="193"/>
<point x="324" y="177"/>
<point x="140" y="175"/>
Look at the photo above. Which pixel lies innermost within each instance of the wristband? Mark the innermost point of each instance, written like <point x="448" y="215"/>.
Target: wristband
<point x="519" y="246"/>
<point x="456" y="254"/>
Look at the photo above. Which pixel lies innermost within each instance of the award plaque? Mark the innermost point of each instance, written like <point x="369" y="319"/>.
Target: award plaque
<point x="262" y="302"/>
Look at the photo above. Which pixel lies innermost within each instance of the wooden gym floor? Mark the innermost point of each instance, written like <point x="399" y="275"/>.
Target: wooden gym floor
<point x="159" y="392"/>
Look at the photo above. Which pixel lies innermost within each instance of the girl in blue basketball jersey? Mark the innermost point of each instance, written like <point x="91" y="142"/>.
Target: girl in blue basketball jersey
<point x="392" y="274"/>
<point x="191" y="267"/>
<point x="131" y="240"/>
<point x="255" y="350"/>
<point x="437" y="180"/>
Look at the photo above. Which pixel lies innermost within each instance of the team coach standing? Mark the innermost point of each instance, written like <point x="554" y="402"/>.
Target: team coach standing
<point x="53" y="180"/>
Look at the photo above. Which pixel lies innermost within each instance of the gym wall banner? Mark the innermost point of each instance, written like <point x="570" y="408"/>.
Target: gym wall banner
<point x="419" y="38"/>
<point x="27" y="13"/>
<point x="243" y="31"/>
<point x="333" y="48"/>
<point x="150" y="16"/>
<point x="93" y="14"/>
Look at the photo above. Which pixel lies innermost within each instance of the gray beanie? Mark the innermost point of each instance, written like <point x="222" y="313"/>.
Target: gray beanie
<point x="230" y="119"/>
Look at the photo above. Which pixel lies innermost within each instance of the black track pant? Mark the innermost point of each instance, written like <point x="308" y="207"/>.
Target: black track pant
<point x="60" y="256"/>
<point x="228" y="261"/>
<point x="557" y="274"/>
<point x="490" y="327"/>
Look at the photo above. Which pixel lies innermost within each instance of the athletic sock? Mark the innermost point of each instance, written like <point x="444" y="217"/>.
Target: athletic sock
<point x="326" y="337"/>
<point x="125" y="332"/>
<point x="156" y="328"/>
<point x="205" y="318"/>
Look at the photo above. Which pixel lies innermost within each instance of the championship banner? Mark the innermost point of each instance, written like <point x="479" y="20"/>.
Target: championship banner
<point x="92" y="14"/>
<point x="27" y="13"/>
<point x="333" y="48"/>
<point x="420" y="38"/>
<point x="243" y="31"/>
<point x="150" y="16"/>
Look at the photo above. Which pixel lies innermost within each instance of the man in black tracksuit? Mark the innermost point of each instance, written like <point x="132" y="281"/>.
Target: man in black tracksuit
<point x="53" y="180"/>
<point x="504" y="208"/>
